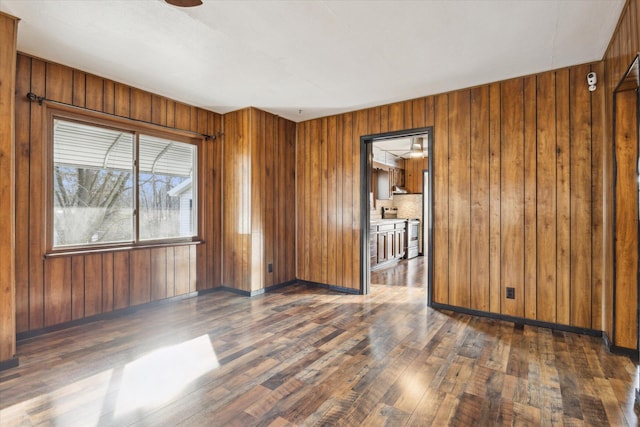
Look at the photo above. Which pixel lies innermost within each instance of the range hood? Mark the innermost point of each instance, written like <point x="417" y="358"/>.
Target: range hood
<point x="399" y="190"/>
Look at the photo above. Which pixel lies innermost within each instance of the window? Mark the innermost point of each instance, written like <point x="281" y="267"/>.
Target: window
<point x="115" y="186"/>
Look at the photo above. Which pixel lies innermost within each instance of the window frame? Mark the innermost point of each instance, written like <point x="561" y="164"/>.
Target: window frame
<point x="97" y="119"/>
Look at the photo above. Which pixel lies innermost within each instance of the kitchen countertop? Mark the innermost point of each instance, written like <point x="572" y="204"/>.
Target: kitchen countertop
<point x="387" y="221"/>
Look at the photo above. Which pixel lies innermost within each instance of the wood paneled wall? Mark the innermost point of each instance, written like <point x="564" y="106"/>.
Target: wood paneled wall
<point x="413" y="174"/>
<point x="620" y="308"/>
<point x="259" y="200"/>
<point x="8" y="33"/>
<point x="51" y="291"/>
<point x="517" y="181"/>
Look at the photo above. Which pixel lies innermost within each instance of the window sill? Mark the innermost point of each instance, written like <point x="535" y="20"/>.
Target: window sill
<point x="129" y="247"/>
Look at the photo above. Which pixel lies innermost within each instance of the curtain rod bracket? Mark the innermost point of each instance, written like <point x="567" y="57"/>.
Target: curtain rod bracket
<point x="33" y="97"/>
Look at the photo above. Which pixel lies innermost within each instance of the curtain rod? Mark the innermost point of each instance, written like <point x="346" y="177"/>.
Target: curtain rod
<point x="40" y="99"/>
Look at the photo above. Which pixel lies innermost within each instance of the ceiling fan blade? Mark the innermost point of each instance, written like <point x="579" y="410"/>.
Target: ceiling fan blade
<point x="184" y="3"/>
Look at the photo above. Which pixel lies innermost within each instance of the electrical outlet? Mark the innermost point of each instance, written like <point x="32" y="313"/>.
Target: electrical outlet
<point x="270" y="268"/>
<point x="511" y="293"/>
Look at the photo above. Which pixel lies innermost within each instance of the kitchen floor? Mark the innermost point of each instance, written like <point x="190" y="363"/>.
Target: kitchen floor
<point x="408" y="272"/>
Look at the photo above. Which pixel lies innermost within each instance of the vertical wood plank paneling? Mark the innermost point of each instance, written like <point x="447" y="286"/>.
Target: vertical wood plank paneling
<point x="22" y="165"/>
<point x="92" y="284"/>
<point x="36" y="196"/>
<point x="159" y="110"/>
<point x="512" y="197"/>
<point x="140" y="276"/>
<point x="257" y="181"/>
<point x="340" y="250"/>
<point x="79" y="88"/>
<point x="396" y="116"/>
<point x="193" y="271"/>
<point x="348" y="202"/>
<point x="580" y="187"/>
<point x="374" y="120"/>
<point x="57" y="291"/>
<point x="495" y="289"/>
<point x="384" y="119"/>
<point x="530" y="200"/>
<point x="107" y="282"/>
<point x="619" y="309"/>
<point x="408" y="115"/>
<point x="441" y="200"/>
<point x="546" y="198"/>
<point x="480" y="198"/>
<point x="182" y="269"/>
<point x="430" y="114"/>
<point x="193" y="115"/>
<point x="459" y="200"/>
<point x="122" y="100"/>
<point x="77" y="287"/>
<point x="243" y="236"/>
<point x="316" y="235"/>
<point x="324" y="200"/>
<point x="300" y="201"/>
<point x="182" y="116"/>
<point x="214" y="245"/>
<point x="109" y="97"/>
<point x="278" y="215"/>
<point x="360" y="130"/>
<point x="564" y="198"/>
<point x="419" y="114"/>
<point x="307" y="197"/>
<point x="59" y="86"/>
<point x="121" y="280"/>
<point x="158" y="273"/>
<point x="597" y="204"/>
<point x="332" y="238"/>
<point x="171" y="272"/>
<point x="140" y="105"/>
<point x="626" y="220"/>
<point x="229" y="203"/>
<point x="171" y="113"/>
<point x="95" y="93"/>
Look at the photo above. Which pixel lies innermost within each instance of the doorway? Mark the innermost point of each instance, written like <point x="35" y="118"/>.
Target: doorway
<point x="392" y="245"/>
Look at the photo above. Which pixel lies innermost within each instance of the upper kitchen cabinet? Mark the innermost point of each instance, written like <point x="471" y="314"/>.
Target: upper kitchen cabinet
<point x="413" y="174"/>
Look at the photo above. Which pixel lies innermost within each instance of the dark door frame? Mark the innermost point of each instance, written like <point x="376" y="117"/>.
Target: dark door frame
<point x="629" y="82"/>
<point x="366" y="160"/>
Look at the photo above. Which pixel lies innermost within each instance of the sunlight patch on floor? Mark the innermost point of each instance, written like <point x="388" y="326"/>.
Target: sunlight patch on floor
<point x="156" y="378"/>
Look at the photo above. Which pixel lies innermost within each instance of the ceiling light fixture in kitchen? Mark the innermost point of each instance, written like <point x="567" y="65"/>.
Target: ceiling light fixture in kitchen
<point x="416" y="147"/>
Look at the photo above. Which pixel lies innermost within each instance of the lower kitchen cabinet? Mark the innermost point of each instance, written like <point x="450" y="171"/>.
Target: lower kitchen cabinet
<point x="387" y="242"/>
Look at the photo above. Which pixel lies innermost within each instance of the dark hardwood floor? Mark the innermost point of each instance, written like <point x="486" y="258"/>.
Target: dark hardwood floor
<point x="308" y="356"/>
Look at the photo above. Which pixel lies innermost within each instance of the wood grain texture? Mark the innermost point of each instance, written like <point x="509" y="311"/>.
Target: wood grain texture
<point x="480" y="199"/>
<point x="530" y="198"/>
<point x="459" y="199"/>
<point x="563" y="197"/>
<point x="580" y="183"/>
<point x="495" y="109"/>
<point x="622" y="49"/>
<point x="512" y="197"/>
<point x="626" y="220"/>
<point x="441" y="201"/>
<point x="8" y="64"/>
<point x="97" y="283"/>
<point x="597" y="207"/>
<point x="530" y="191"/>
<point x="22" y="141"/>
<point x="546" y="198"/>
<point x="259" y="221"/>
<point x="381" y="359"/>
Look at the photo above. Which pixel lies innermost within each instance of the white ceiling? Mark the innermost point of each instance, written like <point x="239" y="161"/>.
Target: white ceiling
<point x="320" y="57"/>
